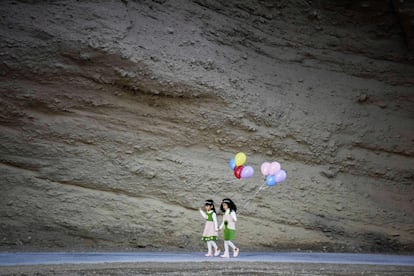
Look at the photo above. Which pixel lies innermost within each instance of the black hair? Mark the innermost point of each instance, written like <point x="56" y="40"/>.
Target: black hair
<point x="229" y="203"/>
<point x="210" y="202"/>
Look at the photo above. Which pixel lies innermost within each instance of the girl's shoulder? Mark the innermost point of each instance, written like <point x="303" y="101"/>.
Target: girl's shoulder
<point x="232" y="213"/>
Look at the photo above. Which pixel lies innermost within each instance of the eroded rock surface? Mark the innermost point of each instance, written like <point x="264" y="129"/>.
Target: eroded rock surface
<point x="118" y="119"/>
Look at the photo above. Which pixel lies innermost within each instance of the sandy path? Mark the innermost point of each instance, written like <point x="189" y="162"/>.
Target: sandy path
<point x="166" y="263"/>
<point x="208" y="268"/>
<point x="43" y="258"/>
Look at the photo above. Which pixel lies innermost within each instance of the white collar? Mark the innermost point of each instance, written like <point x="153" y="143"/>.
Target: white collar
<point x="227" y="212"/>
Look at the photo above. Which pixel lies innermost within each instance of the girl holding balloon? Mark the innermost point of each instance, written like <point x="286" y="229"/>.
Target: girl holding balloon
<point x="210" y="228"/>
<point x="229" y="224"/>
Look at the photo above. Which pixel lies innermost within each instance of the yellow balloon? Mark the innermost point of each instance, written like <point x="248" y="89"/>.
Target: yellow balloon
<point x="240" y="159"/>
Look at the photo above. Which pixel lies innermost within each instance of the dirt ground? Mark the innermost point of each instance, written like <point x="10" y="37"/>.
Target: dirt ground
<point x="206" y="268"/>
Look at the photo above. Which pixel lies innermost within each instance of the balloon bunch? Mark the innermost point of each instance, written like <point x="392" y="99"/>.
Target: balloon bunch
<point x="273" y="173"/>
<point x="240" y="171"/>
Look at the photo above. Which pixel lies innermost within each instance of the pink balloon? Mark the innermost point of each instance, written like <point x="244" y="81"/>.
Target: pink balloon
<point x="280" y="176"/>
<point x="274" y="168"/>
<point x="265" y="168"/>
<point x="247" y="172"/>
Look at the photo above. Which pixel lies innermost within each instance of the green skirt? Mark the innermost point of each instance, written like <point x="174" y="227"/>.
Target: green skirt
<point x="211" y="238"/>
<point x="229" y="234"/>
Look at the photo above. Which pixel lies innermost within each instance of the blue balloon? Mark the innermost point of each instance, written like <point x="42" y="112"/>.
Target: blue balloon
<point x="270" y="180"/>
<point x="232" y="164"/>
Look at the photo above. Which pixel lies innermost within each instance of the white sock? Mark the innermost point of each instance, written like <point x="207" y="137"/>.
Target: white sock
<point x="226" y="247"/>
<point x="209" y="246"/>
<point x="232" y="245"/>
<point x="214" y="244"/>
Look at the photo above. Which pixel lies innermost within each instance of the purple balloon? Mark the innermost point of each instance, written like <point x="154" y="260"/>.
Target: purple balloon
<point x="280" y="176"/>
<point x="247" y="172"/>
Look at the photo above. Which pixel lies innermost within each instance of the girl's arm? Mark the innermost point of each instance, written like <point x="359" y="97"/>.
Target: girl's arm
<point x="203" y="214"/>
<point x="221" y="225"/>
<point x="215" y="221"/>
<point x="233" y="215"/>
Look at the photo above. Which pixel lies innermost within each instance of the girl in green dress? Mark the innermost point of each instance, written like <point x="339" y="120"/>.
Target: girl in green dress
<point x="229" y="224"/>
<point x="210" y="229"/>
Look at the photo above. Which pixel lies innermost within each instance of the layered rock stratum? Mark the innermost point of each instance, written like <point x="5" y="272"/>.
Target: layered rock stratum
<point x="118" y="119"/>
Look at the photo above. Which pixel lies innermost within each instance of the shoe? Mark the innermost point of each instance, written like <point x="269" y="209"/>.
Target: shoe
<point x="235" y="252"/>
<point x="225" y="255"/>
<point x="217" y="252"/>
<point x="209" y="255"/>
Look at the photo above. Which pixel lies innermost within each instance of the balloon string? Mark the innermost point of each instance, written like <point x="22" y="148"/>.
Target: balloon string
<point x="247" y="203"/>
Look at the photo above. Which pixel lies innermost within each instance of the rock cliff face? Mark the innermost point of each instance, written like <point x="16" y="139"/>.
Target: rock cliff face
<point x="118" y="119"/>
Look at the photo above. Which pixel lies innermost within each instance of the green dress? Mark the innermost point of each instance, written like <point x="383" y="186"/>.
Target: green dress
<point x="209" y="233"/>
<point x="229" y="232"/>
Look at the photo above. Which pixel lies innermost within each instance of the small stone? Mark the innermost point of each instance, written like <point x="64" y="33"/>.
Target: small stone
<point x="382" y="104"/>
<point x="154" y="58"/>
<point x="149" y="175"/>
<point x="170" y="30"/>
<point x="328" y="173"/>
<point x="84" y="56"/>
<point x="362" y="98"/>
<point x="314" y="14"/>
